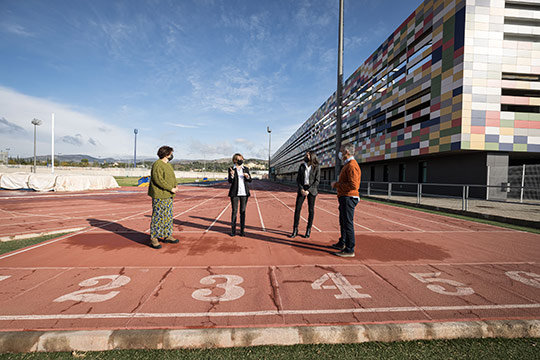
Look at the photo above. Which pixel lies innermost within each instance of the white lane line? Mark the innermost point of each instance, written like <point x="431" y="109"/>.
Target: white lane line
<point x="418" y="217"/>
<point x="267" y="312"/>
<point x="331" y="213"/>
<point x="4" y="277"/>
<point x="50" y="196"/>
<point x="259" y="209"/>
<point x="221" y="213"/>
<point x="85" y="230"/>
<point x="301" y="217"/>
<point x="392" y="221"/>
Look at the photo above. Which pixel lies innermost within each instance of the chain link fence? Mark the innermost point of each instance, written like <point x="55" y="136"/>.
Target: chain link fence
<point x="524" y="182"/>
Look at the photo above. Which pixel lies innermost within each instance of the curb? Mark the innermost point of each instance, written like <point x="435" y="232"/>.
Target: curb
<point x="33" y="235"/>
<point x="100" y="340"/>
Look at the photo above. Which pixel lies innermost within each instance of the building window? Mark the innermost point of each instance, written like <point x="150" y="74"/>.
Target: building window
<point x="372" y="175"/>
<point x="385" y="173"/>
<point x="402" y="168"/>
<point x="422" y="172"/>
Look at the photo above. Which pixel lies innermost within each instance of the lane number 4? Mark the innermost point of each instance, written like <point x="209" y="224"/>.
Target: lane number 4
<point x="346" y="289"/>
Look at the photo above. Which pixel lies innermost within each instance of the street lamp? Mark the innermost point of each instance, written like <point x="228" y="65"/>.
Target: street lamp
<point x="7" y="153"/>
<point x="135" y="131"/>
<point x="269" y="144"/>
<point x="35" y="122"/>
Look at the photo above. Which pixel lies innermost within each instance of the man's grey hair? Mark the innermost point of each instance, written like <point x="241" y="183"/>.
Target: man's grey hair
<point x="349" y="148"/>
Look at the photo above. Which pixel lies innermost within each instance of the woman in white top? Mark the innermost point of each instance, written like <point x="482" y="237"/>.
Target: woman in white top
<point x="239" y="178"/>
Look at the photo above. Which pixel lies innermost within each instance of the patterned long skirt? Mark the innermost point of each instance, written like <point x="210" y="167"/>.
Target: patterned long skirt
<point x="162" y="218"/>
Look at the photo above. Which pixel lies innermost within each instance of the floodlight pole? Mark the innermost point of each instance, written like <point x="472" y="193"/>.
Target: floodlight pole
<point x="35" y="122"/>
<point x="52" y="143"/>
<point x="269" y="147"/>
<point x="135" y="131"/>
<point x="339" y="91"/>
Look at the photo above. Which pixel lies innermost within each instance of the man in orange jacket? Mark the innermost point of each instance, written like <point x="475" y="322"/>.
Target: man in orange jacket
<point x="347" y="191"/>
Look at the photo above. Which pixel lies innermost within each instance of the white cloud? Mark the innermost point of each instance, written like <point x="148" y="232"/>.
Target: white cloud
<point x="75" y="131"/>
<point x="183" y="125"/>
<point x="15" y="29"/>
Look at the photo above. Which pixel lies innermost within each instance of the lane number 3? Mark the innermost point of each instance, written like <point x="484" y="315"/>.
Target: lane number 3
<point x="231" y="289"/>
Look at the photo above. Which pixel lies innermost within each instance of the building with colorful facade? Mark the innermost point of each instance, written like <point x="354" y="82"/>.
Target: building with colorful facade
<point x="450" y="94"/>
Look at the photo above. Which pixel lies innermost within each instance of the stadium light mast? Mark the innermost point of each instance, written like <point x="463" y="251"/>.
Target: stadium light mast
<point x="339" y="91"/>
<point x="135" y="131"/>
<point x="35" y="122"/>
<point x="269" y="147"/>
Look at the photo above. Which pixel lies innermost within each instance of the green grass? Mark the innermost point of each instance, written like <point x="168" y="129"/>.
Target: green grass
<point x="7" y="246"/>
<point x="508" y="349"/>
<point x="132" y="181"/>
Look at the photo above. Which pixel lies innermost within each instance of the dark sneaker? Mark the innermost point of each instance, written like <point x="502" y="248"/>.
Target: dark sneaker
<point x="338" y="246"/>
<point x="344" y="253"/>
<point x="170" y="240"/>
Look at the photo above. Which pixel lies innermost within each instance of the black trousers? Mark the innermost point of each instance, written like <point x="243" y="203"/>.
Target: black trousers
<point x="298" y="209"/>
<point x="234" y="204"/>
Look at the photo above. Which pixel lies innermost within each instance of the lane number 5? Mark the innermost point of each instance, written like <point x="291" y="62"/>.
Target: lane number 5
<point x="429" y="278"/>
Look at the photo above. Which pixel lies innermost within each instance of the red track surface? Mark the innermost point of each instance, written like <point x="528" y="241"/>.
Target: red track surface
<point x="410" y="266"/>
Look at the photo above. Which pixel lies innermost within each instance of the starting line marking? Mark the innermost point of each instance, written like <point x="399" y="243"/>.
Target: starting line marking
<point x="267" y="312"/>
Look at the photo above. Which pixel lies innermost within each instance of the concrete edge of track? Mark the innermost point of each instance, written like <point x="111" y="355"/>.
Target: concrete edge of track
<point x="100" y="340"/>
<point x="43" y="233"/>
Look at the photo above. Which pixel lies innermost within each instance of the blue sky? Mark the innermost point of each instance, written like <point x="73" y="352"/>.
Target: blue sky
<point x="203" y="76"/>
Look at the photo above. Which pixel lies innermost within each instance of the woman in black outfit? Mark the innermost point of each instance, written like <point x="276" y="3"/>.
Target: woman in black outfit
<point x="239" y="178"/>
<point x="308" y="179"/>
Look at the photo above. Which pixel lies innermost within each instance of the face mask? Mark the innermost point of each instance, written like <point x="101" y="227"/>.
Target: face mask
<point x="240" y="162"/>
<point x="340" y="155"/>
<point x="306" y="159"/>
<point x="171" y="157"/>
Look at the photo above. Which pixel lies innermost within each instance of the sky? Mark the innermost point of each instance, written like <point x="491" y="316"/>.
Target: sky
<point x="203" y="76"/>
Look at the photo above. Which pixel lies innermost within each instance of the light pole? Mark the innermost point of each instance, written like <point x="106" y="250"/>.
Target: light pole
<point x="135" y="131"/>
<point x="7" y="152"/>
<point x="269" y="147"/>
<point x="339" y="91"/>
<point x="35" y="122"/>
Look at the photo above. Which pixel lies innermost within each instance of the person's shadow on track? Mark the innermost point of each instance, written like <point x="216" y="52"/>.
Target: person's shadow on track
<point x="261" y="234"/>
<point x="116" y="228"/>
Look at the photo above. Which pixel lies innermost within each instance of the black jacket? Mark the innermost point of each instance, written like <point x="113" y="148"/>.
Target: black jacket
<point x="233" y="190"/>
<point x="314" y="178"/>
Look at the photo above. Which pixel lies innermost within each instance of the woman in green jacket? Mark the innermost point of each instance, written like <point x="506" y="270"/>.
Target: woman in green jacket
<point x="162" y="190"/>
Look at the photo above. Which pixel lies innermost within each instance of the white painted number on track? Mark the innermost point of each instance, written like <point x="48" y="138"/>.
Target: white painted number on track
<point x="427" y="278"/>
<point x="232" y="291"/>
<point x="4" y="277"/>
<point x="532" y="279"/>
<point x="88" y="295"/>
<point x="341" y="283"/>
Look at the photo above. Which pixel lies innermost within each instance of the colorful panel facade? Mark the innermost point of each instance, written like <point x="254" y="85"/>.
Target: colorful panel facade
<point x="456" y="75"/>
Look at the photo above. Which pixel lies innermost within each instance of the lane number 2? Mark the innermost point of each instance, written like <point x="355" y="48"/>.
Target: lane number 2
<point x="230" y="286"/>
<point x="89" y="295"/>
<point x="532" y="279"/>
<point x="429" y="278"/>
<point x="347" y="290"/>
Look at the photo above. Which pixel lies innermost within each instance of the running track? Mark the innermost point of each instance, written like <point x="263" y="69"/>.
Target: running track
<point x="410" y="266"/>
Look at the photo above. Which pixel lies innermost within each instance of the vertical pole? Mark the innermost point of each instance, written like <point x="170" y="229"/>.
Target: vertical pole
<point x="34" y="148"/>
<point x="418" y="187"/>
<point x="467" y="198"/>
<point x="389" y="190"/>
<point x="135" y="131"/>
<point x="463" y="199"/>
<point x="487" y="182"/>
<point x="522" y="184"/>
<point x="269" y="148"/>
<point x="52" y="143"/>
<point x="369" y="188"/>
<point x="339" y="91"/>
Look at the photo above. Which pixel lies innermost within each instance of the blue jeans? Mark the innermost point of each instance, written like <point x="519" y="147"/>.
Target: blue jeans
<point x="347" y="204"/>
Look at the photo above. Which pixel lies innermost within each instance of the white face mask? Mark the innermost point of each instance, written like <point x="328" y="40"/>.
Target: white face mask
<point x="340" y="155"/>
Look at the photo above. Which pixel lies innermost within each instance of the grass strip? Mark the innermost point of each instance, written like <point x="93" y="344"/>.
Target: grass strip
<point x="7" y="246"/>
<point x="457" y="216"/>
<point x="509" y="349"/>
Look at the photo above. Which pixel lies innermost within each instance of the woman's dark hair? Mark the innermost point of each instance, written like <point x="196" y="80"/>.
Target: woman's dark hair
<point x="164" y="151"/>
<point x="313" y="158"/>
<point x="236" y="156"/>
